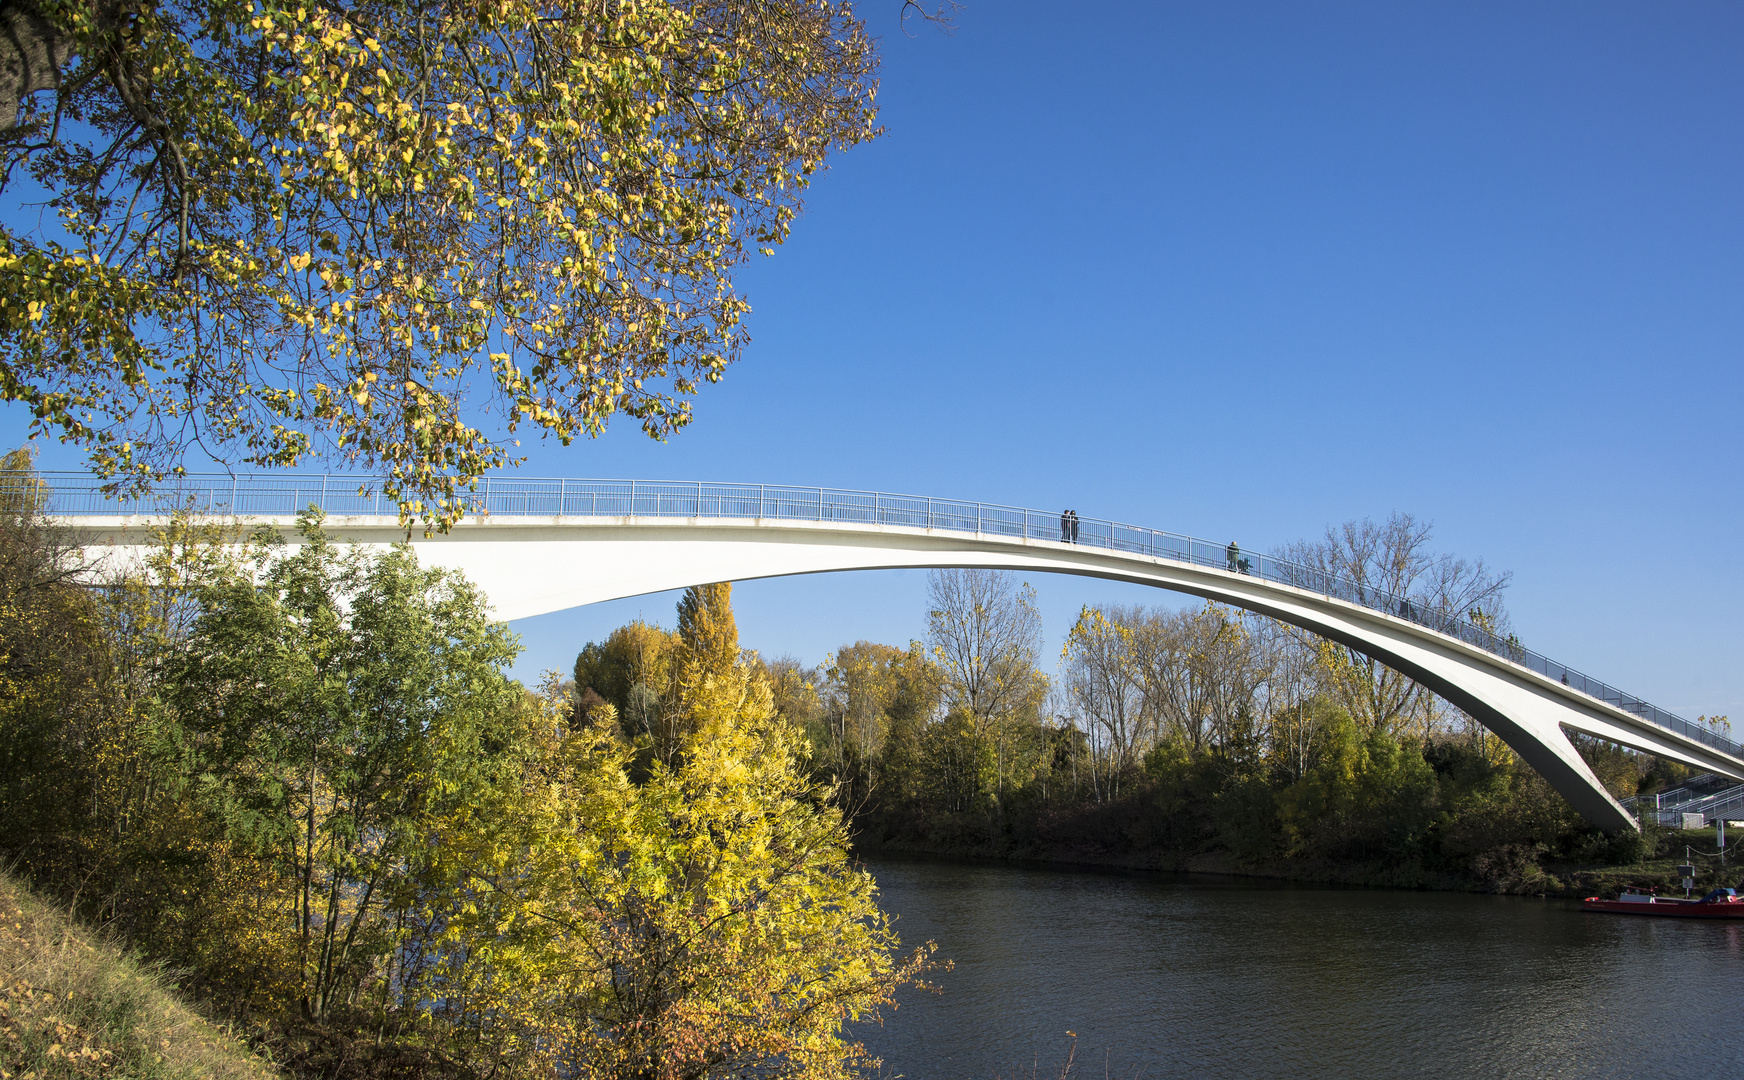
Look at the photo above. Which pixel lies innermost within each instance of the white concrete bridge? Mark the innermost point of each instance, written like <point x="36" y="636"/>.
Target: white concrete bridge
<point x="539" y="546"/>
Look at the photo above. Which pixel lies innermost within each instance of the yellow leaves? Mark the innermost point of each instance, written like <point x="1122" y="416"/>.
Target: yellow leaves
<point x="611" y="175"/>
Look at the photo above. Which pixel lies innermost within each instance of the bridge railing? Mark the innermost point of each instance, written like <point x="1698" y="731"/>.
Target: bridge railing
<point x="277" y="494"/>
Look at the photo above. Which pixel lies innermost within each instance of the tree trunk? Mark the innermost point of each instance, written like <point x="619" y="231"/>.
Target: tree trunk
<point x="33" y="56"/>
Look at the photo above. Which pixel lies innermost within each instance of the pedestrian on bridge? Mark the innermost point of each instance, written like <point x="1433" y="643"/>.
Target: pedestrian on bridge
<point x="1234" y="554"/>
<point x="1065" y="526"/>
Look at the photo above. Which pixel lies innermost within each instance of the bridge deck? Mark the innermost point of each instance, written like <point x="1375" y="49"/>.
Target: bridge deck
<point x="78" y="496"/>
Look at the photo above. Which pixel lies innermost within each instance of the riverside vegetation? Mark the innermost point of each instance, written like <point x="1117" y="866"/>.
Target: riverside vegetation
<point x="298" y="780"/>
<point x="295" y="781"/>
<point x="1203" y="739"/>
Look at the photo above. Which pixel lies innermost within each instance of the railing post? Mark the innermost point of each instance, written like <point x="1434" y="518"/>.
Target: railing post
<point x="759" y="502"/>
<point x="632" y="498"/>
<point x="929" y="524"/>
<point x="562" y="496"/>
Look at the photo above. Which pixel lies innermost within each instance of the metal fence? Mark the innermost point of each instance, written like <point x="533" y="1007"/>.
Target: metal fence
<point x="1719" y="797"/>
<point x="247" y="496"/>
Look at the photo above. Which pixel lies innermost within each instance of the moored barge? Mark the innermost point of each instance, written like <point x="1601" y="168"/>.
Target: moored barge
<point x="1719" y="904"/>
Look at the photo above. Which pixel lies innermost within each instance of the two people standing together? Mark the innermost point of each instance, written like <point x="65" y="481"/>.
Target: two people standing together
<point x="1069" y="527"/>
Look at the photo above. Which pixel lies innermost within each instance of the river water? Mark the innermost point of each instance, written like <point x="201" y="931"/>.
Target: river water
<point x="1188" y="975"/>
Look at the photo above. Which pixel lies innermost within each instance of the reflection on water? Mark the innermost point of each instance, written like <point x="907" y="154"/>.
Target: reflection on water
<point x="1190" y="976"/>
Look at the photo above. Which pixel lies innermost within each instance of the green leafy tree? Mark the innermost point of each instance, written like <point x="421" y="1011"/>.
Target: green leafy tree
<point x="296" y="227"/>
<point x="1369" y="795"/>
<point x="332" y="707"/>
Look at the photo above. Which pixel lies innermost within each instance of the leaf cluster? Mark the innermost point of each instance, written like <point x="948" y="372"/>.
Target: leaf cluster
<point x="403" y="232"/>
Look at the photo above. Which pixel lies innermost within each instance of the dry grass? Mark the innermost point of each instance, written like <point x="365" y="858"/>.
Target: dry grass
<point x="72" y="1005"/>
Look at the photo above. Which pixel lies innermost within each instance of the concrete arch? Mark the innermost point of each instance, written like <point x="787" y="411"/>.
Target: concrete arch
<point x="534" y="565"/>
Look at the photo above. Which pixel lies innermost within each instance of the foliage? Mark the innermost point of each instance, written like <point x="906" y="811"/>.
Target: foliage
<point x="54" y="676"/>
<point x="328" y="708"/>
<point x="1367" y="796"/>
<point x="1394" y="559"/>
<point x="629" y="671"/>
<point x="701" y="921"/>
<point x="291" y="228"/>
<point x="302" y="775"/>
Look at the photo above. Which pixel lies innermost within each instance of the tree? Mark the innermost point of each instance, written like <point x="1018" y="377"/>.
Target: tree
<point x="1201" y="677"/>
<point x="334" y="706"/>
<point x="1105" y="683"/>
<point x="708" y="635"/>
<point x="301" y="227"/>
<point x="631" y="670"/>
<point x="1394" y="559"/>
<point x="701" y="921"/>
<point x="986" y="634"/>
<point x="795" y="687"/>
<point x="54" y="683"/>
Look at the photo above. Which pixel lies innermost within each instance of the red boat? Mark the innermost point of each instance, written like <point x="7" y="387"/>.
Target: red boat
<point x="1719" y="904"/>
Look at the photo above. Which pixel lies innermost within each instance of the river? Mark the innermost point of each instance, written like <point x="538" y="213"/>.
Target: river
<point x="1187" y="975"/>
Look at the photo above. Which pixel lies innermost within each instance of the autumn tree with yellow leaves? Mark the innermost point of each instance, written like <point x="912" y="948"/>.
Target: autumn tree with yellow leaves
<point x="696" y="916"/>
<point x="301" y="774"/>
<point x="399" y="235"/>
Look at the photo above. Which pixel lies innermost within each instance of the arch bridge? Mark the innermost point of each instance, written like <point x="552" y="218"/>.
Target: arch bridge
<point x="538" y="546"/>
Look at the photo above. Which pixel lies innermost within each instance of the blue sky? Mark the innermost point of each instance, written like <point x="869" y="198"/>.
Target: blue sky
<point x="1243" y="270"/>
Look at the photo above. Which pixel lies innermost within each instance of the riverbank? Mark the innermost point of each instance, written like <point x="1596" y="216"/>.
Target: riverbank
<point x="1513" y="870"/>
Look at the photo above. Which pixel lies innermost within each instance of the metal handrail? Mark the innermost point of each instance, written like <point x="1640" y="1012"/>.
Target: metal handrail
<point x="1693" y="790"/>
<point x="1719" y="804"/>
<point x="77" y="494"/>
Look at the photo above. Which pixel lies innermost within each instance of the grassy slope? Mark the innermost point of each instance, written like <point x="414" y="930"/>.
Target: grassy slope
<point x="72" y="1005"/>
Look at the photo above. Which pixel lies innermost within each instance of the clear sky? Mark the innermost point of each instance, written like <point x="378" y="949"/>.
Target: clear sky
<point x="1246" y="269"/>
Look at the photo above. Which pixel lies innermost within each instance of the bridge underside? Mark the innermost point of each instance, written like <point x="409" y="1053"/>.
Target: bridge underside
<point x="535" y="567"/>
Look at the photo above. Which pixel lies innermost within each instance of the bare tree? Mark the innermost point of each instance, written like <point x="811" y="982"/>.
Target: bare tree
<point x="1293" y="683"/>
<point x="1104" y="683"/>
<point x="1388" y="563"/>
<point x="1200" y="674"/>
<point x="986" y="632"/>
